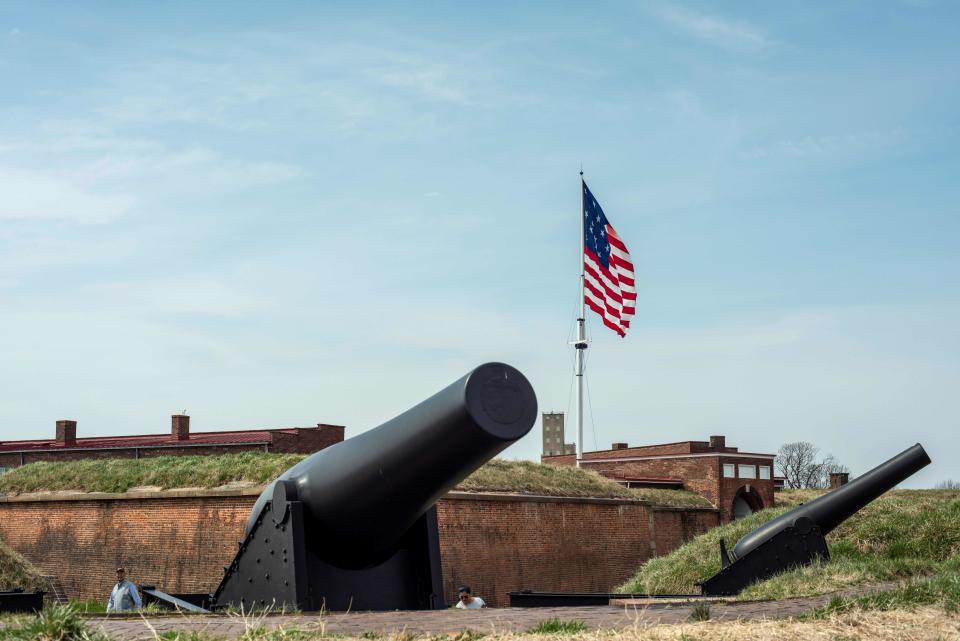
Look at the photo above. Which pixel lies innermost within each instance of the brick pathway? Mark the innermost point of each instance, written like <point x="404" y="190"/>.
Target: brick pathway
<point x="452" y="621"/>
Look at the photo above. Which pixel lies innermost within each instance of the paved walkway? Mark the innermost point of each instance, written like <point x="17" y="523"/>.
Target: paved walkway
<point x="453" y="621"/>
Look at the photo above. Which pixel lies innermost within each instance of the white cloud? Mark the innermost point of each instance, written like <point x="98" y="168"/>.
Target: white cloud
<point x="188" y="295"/>
<point x="845" y="145"/>
<point x="731" y="34"/>
<point x="27" y="254"/>
<point x="110" y="174"/>
<point x="275" y="83"/>
<point x="191" y="169"/>
<point x="35" y="195"/>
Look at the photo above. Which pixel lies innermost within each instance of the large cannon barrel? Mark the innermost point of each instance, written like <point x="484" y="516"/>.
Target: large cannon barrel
<point x="361" y="495"/>
<point x="832" y="509"/>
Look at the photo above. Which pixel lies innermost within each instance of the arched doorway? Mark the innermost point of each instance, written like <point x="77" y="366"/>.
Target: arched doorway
<point x="746" y="502"/>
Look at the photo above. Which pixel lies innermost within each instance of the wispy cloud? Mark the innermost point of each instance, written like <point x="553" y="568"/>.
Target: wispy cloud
<point x="34" y="195"/>
<point x="190" y="295"/>
<point x="846" y="144"/>
<point x="29" y="254"/>
<point x="93" y="175"/>
<point x="267" y="83"/>
<point x="730" y="34"/>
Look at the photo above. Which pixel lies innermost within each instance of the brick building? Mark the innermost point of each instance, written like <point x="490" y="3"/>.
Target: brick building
<point x="736" y="483"/>
<point x="65" y="446"/>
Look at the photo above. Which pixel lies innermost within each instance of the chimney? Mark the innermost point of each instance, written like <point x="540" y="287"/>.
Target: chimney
<point x="619" y="446"/>
<point x="66" y="432"/>
<point x="718" y="442"/>
<point x="180" y="427"/>
<point x="838" y="478"/>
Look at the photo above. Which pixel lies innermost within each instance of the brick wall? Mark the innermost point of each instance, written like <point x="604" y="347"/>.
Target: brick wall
<point x="699" y="474"/>
<point x="307" y="440"/>
<point x="673" y="525"/>
<point x="180" y="540"/>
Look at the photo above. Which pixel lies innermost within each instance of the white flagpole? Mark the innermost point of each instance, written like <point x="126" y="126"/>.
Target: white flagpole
<point x="581" y="343"/>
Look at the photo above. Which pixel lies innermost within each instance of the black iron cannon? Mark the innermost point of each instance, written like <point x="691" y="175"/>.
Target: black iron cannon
<point x="797" y="537"/>
<point x="354" y="526"/>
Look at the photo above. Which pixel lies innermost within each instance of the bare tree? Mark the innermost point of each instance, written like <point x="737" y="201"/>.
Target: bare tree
<point x="949" y="484"/>
<point x="829" y="466"/>
<point x="797" y="463"/>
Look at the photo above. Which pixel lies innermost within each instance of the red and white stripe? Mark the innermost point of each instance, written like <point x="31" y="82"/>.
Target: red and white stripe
<point x="611" y="292"/>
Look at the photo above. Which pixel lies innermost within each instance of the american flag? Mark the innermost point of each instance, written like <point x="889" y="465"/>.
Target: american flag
<point x="608" y="280"/>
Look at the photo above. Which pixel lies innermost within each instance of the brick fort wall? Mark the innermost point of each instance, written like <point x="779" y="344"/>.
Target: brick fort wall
<point x="180" y="540"/>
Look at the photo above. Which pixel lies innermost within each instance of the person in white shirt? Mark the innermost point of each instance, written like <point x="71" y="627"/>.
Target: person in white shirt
<point x="467" y="601"/>
<point x="124" y="596"/>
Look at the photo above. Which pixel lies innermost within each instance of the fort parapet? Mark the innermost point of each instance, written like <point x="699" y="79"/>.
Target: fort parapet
<point x="497" y="543"/>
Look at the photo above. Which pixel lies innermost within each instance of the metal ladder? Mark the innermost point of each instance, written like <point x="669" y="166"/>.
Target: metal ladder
<point x="55" y="590"/>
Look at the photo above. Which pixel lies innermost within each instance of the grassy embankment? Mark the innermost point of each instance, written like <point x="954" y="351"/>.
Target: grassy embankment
<point x="17" y="572"/>
<point x="257" y="468"/>
<point x="905" y="534"/>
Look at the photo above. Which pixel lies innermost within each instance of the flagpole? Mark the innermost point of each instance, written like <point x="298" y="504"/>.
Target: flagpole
<point x="581" y="343"/>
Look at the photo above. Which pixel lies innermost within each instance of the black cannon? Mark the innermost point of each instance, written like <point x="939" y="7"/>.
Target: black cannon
<point x="354" y="526"/>
<point x="797" y="537"/>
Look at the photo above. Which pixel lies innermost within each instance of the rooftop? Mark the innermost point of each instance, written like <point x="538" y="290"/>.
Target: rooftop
<point x="715" y="446"/>
<point x="179" y="436"/>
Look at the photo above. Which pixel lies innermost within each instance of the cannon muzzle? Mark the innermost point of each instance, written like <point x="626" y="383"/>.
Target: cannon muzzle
<point x="365" y="492"/>
<point x="353" y="525"/>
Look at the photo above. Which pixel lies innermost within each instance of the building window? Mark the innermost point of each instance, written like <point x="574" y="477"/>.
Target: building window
<point x="765" y="472"/>
<point x="728" y="471"/>
<point x="748" y="471"/>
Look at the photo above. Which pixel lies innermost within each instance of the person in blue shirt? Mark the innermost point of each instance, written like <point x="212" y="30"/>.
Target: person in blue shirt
<point x="124" y="596"/>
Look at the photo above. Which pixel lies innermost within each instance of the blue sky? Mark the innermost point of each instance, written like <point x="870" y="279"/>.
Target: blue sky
<point x="283" y="214"/>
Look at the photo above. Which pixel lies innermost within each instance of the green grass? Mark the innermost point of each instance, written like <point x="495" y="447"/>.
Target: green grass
<point x="91" y="606"/>
<point x="121" y="475"/>
<point x="54" y="623"/>
<point x="191" y="635"/>
<point x="903" y="534"/>
<point x="700" y="612"/>
<point x="558" y="626"/>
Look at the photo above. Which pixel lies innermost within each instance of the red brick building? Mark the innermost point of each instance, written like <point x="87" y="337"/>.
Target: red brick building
<point x="736" y="483"/>
<point x="65" y="446"/>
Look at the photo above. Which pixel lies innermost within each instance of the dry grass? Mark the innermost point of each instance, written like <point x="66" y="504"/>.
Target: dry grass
<point x="17" y="572"/>
<point x="924" y="624"/>
<point x="920" y="624"/>
<point x="525" y="477"/>
<point x="122" y="475"/>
